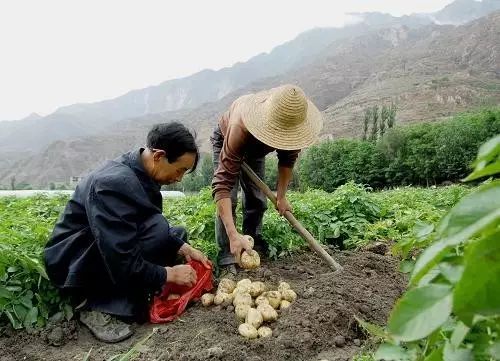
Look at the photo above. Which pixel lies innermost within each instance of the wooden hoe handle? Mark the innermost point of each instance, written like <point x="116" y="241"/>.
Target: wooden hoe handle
<point x="313" y="244"/>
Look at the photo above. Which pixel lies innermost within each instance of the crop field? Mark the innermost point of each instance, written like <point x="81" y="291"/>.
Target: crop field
<point x="375" y="235"/>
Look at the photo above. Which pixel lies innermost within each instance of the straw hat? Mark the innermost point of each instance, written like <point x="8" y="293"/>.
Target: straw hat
<point x="282" y="117"/>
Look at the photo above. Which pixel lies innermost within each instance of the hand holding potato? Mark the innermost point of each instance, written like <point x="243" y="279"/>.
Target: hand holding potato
<point x="237" y="244"/>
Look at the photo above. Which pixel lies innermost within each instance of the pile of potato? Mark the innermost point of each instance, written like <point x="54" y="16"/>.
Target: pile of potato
<point x="254" y="305"/>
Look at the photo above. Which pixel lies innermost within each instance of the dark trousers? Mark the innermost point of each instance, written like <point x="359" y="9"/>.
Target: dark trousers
<point x="153" y="238"/>
<point x="254" y="202"/>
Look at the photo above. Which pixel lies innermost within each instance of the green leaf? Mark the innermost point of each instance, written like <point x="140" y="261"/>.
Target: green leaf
<point x="489" y="150"/>
<point x="494" y="351"/>
<point x="472" y="208"/>
<point x="390" y="352"/>
<point x="469" y="217"/>
<point x="5" y="293"/>
<point x="436" y="355"/>
<point x="373" y="329"/>
<point x="459" y="333"/>
<point x="422" y="230"/>
<point x="430" y="276"/>
<point x="419" y="312"/>
<point x="452" y="272"/>
<point x="13" y="320"/>
<point x="14" y="288"/>
<point x="336" y="232"/>
<point x="21" y="311"/>
<point x="451" y="353"/>
<point x="31" y="317"/>
<point x="406" y="266"/>
<point x="68" y="312"/>
<point x="26" y="301"/>
<point x="488" y="170"/>
<point x="477" y="292"/>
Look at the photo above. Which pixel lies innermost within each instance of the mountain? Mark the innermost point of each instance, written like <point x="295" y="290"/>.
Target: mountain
<point x="430" y="72"/>
<point x="462" y="11"/>
<point x="208" y="85"/>
<point x="186" y="93"/>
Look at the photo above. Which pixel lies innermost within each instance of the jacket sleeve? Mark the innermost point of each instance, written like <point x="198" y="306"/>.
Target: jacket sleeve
<point x="112" y="215"/>
<point x="231" y="158"/>
<point x="287" y="158"/>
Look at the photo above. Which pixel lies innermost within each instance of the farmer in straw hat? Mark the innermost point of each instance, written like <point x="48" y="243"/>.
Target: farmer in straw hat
<point x="281" y="119"/>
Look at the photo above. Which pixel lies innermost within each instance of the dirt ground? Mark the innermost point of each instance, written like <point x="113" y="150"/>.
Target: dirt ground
<point x="320" y="325"/>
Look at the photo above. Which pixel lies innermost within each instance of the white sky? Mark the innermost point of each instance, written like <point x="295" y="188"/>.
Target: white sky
<point x="60" y="52"/>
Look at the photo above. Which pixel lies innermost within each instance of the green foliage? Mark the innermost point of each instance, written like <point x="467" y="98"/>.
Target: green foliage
<point x="422" y="154"/>
<point x="381" y="121"/>
<point x="271" y="174"/>
<point x="27" y="298"/>
<point x="331" y="218"/>
<point x="452" y="309"/>
<point x="375" y="125"/>
<point x="349" y="217"/>
<point x="333" y="163"/>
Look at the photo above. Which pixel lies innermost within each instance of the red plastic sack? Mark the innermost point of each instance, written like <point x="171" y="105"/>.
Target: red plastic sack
<point x="163" y="310"/>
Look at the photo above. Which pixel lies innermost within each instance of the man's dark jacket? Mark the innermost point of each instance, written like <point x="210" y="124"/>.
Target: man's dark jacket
<point x="96" y="242"/>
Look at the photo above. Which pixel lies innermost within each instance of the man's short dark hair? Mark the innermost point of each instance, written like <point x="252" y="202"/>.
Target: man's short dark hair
<point x="175" y="139"/>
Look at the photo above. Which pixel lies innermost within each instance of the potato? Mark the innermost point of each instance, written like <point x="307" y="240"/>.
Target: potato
<point x="248" y="331"/>
<point x="250" y="259"/>
<point x="265" y="331"/>
<point x="241" y="311"/>
<point x="268" y="313"/>
<point x="284" y="304"/>
<point x="207" y="299"/>
<point x="289" y="295"/>
<point x="226" y="285"/>
<point x="254" y="318"/>
<point x="220" y="298"/>
<point x="274" y="298"/>
<point x="250" y="240"/>
<point x="261" y="300"/>
<point x="242" y="298"/>
<point x="256" y="288"/>
<point x="244" y="282"/>
<point x="283" y="286"/>
<point x="241" y="289"/>
<point x="243" y="286"/>
<point x="173" y="296"/>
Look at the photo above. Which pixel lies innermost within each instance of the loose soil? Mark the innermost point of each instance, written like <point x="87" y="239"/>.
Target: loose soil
<point x="320" y="325"/>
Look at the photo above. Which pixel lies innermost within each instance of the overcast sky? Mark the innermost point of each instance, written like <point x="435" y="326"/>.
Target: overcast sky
<point x="56" y="53"/>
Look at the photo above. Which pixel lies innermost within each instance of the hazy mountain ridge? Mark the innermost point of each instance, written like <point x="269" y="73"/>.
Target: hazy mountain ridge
<point x="431" y="72"/>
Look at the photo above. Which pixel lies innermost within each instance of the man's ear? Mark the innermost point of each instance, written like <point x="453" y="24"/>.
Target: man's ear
<point x="158" y="154"/>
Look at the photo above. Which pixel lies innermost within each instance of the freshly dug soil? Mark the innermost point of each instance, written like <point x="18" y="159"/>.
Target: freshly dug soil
<point x="320" y="325"/>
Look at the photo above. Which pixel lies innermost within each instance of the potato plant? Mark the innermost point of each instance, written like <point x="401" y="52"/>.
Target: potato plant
<point x="349" y="217"/>
<point x="451" y="310"/>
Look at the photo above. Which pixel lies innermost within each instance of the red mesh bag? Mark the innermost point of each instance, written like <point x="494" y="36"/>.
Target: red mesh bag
<point x="163" y="310"/>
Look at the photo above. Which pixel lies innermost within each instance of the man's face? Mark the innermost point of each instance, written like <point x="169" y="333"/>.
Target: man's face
<point x="165" y="172"/>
